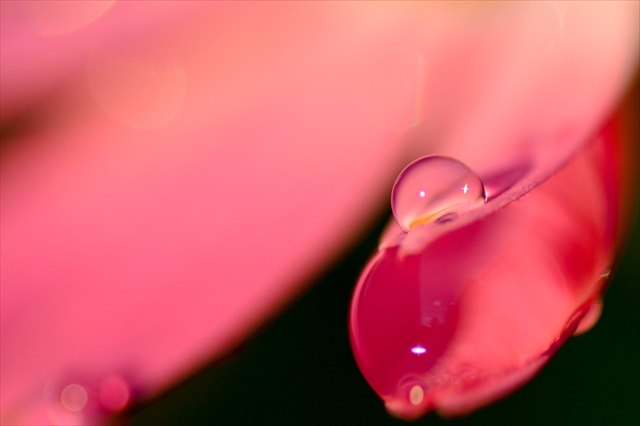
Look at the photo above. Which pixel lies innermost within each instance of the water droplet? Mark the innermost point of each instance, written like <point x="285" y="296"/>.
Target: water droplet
<point x="435" y="189"/>
<point x="590" y="318"/>
<point x="403" y="317"/>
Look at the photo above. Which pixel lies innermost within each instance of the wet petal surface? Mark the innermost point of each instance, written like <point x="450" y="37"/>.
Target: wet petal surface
<point x="149" y="234"/>
<point x="476" y="311"/>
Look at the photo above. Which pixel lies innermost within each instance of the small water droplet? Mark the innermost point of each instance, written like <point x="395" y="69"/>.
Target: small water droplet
<point x="435" y="189"/>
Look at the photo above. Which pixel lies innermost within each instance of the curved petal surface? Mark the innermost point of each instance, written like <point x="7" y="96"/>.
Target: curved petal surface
<point x="476" y="309"/>
<point x="171" y="171"/>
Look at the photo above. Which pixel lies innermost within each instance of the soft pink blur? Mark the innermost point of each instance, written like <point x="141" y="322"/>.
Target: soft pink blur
<point x="172" y="171"/>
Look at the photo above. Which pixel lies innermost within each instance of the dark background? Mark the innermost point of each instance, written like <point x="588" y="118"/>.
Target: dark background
<point x="299" y="369"/>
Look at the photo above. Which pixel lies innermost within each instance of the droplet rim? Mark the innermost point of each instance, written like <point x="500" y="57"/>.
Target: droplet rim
<point x="439" y="214"/>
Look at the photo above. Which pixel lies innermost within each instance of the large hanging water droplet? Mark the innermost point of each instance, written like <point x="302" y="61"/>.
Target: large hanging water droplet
<point x="433" y="189"/>
<point x="405" y="313"/>
<point x="403" y="317"/>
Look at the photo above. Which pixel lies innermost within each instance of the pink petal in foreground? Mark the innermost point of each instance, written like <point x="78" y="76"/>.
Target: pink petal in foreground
<point x="185" y="165"/>
<point x="479" y="306"/>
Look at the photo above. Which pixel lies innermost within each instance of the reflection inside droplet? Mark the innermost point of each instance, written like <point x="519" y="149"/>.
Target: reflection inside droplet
<point x="418" y="350"/>
<point x="74" y="397"/>
<point x="416" y="395"/>
<point x="435" y="189"/>
<point x="398" y="332"/>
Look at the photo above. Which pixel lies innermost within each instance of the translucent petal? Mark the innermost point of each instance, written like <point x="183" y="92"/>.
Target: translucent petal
<point x="492" y="299"/>
<point x="143" y="247"/>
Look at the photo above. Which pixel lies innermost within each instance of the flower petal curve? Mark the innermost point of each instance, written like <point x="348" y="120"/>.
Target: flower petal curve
<point x="99" y="218"/>
<point x="490" y="299"/>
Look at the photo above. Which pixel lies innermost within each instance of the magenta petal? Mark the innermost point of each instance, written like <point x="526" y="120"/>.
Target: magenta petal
<point x="479" y="309"/>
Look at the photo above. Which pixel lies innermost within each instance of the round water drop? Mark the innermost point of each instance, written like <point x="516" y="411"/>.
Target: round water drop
<point x="434" y="189"/>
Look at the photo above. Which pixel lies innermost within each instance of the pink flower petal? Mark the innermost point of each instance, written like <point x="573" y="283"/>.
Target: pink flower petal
<point x="487" y="301"/>
<point x="143" y="234"/>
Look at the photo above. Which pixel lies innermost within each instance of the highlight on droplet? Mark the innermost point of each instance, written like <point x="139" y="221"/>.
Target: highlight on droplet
<point x="416" y="395"/>
<point x="418" y="350"/>
<point x="435" y="189"/>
